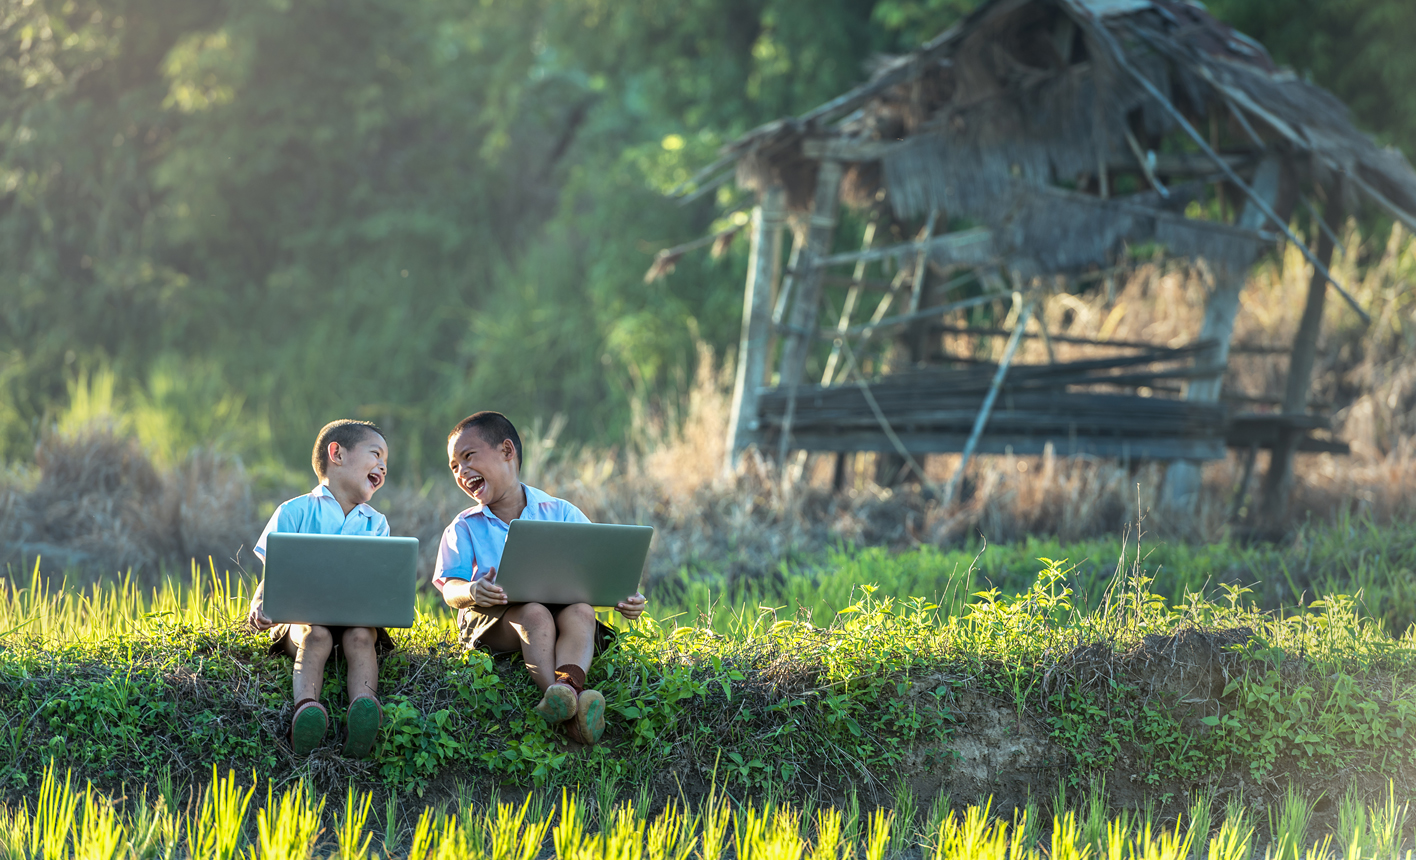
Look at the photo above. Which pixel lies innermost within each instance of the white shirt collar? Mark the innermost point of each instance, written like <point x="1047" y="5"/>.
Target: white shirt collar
<point x="322" y="491"/>
<point x="533" y="497"/>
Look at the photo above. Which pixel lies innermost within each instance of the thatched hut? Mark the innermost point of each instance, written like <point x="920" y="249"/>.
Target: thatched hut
<point x="1058" y="132"/>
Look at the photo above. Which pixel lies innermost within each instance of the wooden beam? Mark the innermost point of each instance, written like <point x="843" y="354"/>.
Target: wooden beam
<point x="767" y="217"/>
<point x="966" y="247"/>
<point x="1278" y="480"/>
<point x="927" y="313"/>
<point x="1063" y="446"/>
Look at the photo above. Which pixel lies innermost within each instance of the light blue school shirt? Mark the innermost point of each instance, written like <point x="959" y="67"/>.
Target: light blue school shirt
<point x="473" y="542"/>
<point x="319" y="513"/>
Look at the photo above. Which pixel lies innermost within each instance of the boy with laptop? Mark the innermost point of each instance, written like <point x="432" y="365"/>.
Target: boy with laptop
<point x="557" y="641"/>
<point x="351" y="460"/>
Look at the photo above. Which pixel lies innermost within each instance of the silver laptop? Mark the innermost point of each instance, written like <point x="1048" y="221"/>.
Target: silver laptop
<point x="550" y="562"/>
<point x="341" y="580"/>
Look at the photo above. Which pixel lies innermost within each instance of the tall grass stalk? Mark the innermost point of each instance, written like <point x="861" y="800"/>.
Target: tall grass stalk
<point x="287" y="829"/>
<point x="53" y="818"/>
<point x="353" y="840"/>
<point x="217" y="829"/>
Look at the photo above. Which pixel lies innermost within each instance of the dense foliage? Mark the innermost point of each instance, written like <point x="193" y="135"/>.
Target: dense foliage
<point x="252" y="217"/>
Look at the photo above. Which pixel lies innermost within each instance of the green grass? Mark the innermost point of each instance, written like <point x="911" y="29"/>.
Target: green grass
<point x="219" y="823"/>
<point x="1351" y="556"/>
<point x="130" y="687"/>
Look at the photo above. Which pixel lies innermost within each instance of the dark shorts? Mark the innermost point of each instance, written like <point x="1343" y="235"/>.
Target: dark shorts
<point x="473" y="622"/>
<point x="383" y="643"/>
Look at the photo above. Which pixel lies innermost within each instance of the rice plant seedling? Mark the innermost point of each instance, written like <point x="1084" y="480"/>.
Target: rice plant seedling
<point x="287" y="829"/>
<point x="877" y="834"/>
<point x="1067" y="839"/>
<point x="391" y="831"/>
<point x="53" y="819"/>
<point x="828" y="844"/>
<point x="850" y="821"/>
<point x="1388" y="824"/>
<point x="1288" y="825"/>
<point x="905" y="809"/>
<point x="1201" y="817"/>
<point x="216" y="830"/>
<point x="670" y="836"/>
<point x="352" y="836"/>
<point x="1352" y="824"/>
<point x="1232" y="840"/>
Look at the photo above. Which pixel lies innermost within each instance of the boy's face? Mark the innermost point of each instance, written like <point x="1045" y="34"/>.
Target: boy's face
<point x="483" y="470"/>
<point x="357" y="472"/>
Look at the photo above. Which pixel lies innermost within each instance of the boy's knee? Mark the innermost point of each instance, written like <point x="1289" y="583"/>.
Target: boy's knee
<point x="359" y="639"/>
<point x="579" y="614"/>
<point x="317" y="637"/>
<point x="534" y="616"/>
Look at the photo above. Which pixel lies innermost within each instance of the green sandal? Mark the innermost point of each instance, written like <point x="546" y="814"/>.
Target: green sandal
<point x="557" y="704"/>
<point x="589" y="722"/>
<point x="308" y="726"/>
<point x="365" y="717"/>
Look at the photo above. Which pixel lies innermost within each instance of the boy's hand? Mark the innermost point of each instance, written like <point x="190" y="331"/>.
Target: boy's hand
<point x="486" y="592"/>
<point x="632" y="606"/>
<point x="257" y="617"/>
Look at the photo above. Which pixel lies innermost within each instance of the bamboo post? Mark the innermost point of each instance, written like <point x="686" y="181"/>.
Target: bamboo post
<point x="806" y="307"/>
<point x="1278" y="480"/>
<point x="987" y="409"/>
<point x="767" y="217"/>
<point x="852" y="296"/>
<point x="1182" y="477"/>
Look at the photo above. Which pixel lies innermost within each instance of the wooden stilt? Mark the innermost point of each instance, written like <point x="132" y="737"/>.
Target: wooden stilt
<point x="756" y="324"/>
<point x="806" y="307"/>
<point x="1278" y="480"/>
<point x="1182" y="478"/>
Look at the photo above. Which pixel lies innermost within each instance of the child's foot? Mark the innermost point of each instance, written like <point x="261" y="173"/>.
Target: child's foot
<point x="589" y="722"/>
<point x="307" y="728"/>
<point x="365" y="717"/>
<point x="558" y="704"/>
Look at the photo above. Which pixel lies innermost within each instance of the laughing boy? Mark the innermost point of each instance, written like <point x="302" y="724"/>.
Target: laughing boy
<point x="557" y="641"/>
<point x="351" y="460"/>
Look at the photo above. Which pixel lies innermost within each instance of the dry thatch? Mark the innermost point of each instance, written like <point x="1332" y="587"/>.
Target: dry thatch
<point x="1020" y="117"/>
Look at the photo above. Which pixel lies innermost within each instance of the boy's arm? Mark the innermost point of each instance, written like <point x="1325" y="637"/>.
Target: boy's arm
<point x="632" y="606"/>
<point x="256" y="617"/>
<point x="456" y="576"/>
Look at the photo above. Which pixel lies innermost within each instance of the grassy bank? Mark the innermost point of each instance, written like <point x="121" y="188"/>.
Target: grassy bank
<point x="1015" y="690"/>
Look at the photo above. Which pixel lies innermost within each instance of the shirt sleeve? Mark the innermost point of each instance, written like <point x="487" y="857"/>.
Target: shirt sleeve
<point x="283" y="520"/>
<point x="571" y="514"/>
<point x="456" y="559"/>
<point x="381" y="527"/>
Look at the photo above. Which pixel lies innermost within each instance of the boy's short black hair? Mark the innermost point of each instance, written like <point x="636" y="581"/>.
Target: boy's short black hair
<point x="493" y="427"/>
<point x="347" y="432"/>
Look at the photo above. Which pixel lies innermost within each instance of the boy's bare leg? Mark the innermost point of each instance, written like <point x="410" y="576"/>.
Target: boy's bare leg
<point x="310" y="646"/>
<point x="530" y="628"/>
<point x="363" y="661"/>
<point x="575" y="635"/>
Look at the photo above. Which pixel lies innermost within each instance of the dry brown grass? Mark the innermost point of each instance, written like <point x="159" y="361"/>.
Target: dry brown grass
<point x="95" y="505"/>
<point x="99" y="504"/>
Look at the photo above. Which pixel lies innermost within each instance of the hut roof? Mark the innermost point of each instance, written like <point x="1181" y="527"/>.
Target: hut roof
<point x="1011" y="117"/>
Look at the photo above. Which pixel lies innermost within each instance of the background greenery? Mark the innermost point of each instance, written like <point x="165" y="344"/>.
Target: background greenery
<point x="230" y="222"/>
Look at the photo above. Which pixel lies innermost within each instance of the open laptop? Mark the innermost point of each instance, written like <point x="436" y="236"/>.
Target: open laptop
<point x="341" y="580"/>
<point x="551" y="562"/>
